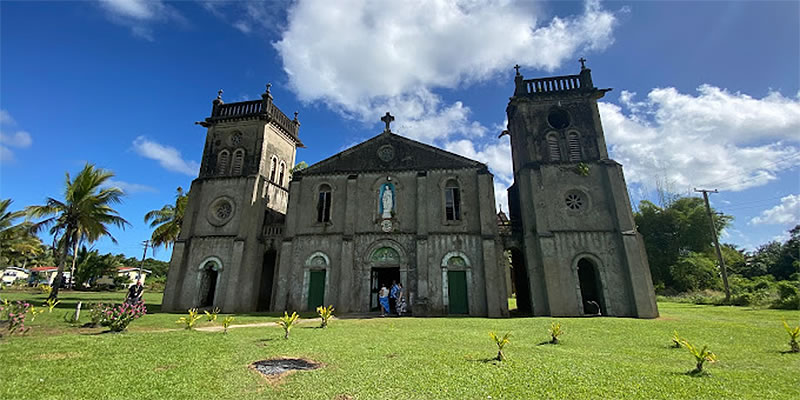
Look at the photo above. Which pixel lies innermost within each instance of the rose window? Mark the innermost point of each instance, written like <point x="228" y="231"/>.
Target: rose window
<point x="224" y="210"/>
<point x="574" y="201"/>
<point x="236" y="139"/>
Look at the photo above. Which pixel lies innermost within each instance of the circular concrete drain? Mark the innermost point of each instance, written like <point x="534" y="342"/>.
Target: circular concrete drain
<point x="280" y="366"/>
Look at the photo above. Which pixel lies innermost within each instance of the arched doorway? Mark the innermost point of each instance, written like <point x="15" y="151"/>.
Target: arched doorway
<point x="267" y="275"/>
<point x="385" y="262"/>
<point x="591" y="290"/>
<point x="519" y="280"/>
<point x="209" y="275"/>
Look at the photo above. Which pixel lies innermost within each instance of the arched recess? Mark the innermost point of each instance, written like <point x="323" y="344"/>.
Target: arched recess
<point x="316" y="280"/>
<point x="238" y="162"/>
<point x="273" y="168"/>
<point x="520" y="281"/>
<point x="385" y="261"/>
<point x="208" y="278"/>
<point x="223" y="159"/>
<point x="456" y="282"/>
<point x="553" y="147"/>
<point x="593" y="293"/>
<point x="574" y="146"/>
<point x="281" y="173"/>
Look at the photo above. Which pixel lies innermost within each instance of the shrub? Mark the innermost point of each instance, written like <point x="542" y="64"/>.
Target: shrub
<point x="97" y="314"/>
<point x="46" y="289"/>
<point x="794" y="334"/>
<point x="500" y="342"/>
<point x="226" y="322"/>
<point x="212" y="316"/>
<point x="191" y="320"/>
<point x="325" y="313"/>
<point x="5" y="307"/>
<point x="788" y="296"/>
<point x="118" y="317"/>
<point x="287" y="322"/>
<point x="555" y="331"/>
<point x="17" y="311"/>
<point x="700" y="356"/>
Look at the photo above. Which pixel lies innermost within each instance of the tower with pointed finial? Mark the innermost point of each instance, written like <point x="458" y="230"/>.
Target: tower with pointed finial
<point x="579" y="251"/>
<point x="226" y="252"/>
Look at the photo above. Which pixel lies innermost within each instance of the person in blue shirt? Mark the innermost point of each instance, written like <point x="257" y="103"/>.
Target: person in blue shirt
<point x="394" y="295"/>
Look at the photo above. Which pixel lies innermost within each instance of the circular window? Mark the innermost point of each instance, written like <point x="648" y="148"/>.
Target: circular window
<point x="574" y="201"/>
<point x="558" y="119"/>
<point x="386" y="153"/>
<point x="220" y="211"/>
<point x="236" y="138"/>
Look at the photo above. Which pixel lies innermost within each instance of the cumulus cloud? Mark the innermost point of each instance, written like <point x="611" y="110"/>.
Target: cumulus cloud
<point x="361" y="57"/>
<point x="141" y="15"/>
<point x="129" y="187"/>
<point x="16" y="138"/>
<point x="714" y="138"/>
<point x="786" y="213"/>
<point x="168" y="157"/>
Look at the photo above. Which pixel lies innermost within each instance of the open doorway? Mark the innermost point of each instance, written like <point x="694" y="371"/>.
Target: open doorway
<point x="591" y="292"/>
<point x="208" y="284"/>
<point x="381" y="277"/>
<point x="519" y="282"/>
<point x="267" y="274"/>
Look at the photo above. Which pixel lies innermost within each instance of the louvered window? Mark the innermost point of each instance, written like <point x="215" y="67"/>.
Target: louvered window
<point x="324" y="204"/>
<point x="223" y="159"/>
<point x="238" y="162"/>
<point x="574" y="147"/>
<point x="281" y="173"/>
<point x="273" y="169"/>
<point x="452" y="201"/>
<point x="553" y="149"/>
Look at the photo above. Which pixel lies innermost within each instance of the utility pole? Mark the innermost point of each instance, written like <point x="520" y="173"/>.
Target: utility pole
<point x="146" y="243"/>
<point x="716" y="242"/>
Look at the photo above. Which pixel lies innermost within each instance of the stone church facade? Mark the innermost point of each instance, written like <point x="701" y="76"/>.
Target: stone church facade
<point x="393" y="209"/>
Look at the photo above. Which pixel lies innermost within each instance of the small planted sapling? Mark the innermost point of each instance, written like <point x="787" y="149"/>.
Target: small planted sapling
<point x="794" y="334"/>
<point x="500" y="342"/>
<point x="325" y="313"/>
<point x="700" y="356"/>
<point x="51" y="304"/>
<point x="226" y="322"/>
<point x="676" y="340"/>
<point x="555" y="331"/>
<point x="35" y="312"/>
<point x="191" y="320"/>
<point x="212" y="316"/>
<point x="287" y="322"/>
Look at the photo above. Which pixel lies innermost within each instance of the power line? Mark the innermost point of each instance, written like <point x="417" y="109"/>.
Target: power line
<point x="716" y="241"/>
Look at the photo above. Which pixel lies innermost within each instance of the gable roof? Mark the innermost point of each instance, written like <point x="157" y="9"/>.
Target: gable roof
<point x="390" y="152"/>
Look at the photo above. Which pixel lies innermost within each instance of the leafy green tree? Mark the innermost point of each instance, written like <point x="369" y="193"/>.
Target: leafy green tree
<point x="672" y="232"/>
<point x="91" y="265"/>
<point x="694" y="271"/>
<point x="788" y="261"/>
<point x="86" y="212"/>
<point x="167" y="221"/>
<point x="17" y="244"/>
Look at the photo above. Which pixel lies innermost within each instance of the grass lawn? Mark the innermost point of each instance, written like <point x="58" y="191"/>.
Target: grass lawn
<point x="405" y="358"/>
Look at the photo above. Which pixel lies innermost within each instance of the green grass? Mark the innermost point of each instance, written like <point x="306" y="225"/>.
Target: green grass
<point x="410" y="358"/>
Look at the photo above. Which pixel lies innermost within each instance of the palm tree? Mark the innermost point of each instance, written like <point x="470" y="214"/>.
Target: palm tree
<point x="167" y="221"/>
<point x="85" y="213"/>
<point x="17" y="244"/>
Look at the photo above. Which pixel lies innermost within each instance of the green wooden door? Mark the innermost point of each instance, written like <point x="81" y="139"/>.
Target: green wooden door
<point x="457" y="292"/>
<point x="316" y="289"/>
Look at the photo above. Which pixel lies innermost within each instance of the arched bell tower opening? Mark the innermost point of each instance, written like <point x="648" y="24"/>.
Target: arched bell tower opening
<point x="591" y="288"/>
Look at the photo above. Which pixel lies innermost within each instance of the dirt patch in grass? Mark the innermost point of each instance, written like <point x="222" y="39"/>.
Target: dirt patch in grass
<point x="56" y="356"/>
<point x="275" y="369"/>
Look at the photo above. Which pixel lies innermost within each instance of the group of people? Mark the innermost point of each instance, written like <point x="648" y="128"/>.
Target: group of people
<point x="392" y="300"/>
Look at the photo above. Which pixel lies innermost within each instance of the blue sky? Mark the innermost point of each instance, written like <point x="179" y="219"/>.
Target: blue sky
<point x="705" y="94"/>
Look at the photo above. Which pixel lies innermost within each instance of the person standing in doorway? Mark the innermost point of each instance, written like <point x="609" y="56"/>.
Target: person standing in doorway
<point x="394" y="293"/>
<point x="383" y="299"/>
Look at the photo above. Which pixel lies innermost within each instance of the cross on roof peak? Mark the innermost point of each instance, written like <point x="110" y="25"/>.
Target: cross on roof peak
<point x="219" y="94"/>
<point x="387" y="119"/>
<point x="516" y="67"/>
<point x="583" y="62"/>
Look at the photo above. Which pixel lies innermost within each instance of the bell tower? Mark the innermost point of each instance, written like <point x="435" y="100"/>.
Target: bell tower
<point x="226" y="253"/>
<point x="580" y="247"/>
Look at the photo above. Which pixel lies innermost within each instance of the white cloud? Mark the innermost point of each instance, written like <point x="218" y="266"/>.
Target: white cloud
<point x="249" y="16"/>
<point x="19" y="139"/>
<point x="129" y="187"/>
<point x="715" y="139"/>
<point x="363" y="57"/>
<point x="168" y="157"/>
<point x="786" y="213"/>
<point x="141" y="15"/>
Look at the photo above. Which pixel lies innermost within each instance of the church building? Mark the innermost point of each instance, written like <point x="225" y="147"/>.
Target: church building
<point x="257" y="237"/>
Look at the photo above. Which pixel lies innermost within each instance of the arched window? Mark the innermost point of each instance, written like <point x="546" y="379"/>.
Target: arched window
<point x="281" y="173"/>
<point x="238" y="162"/>
<point x="273" y="169"/>
<point x="574" y="146"/>
<point x="324" y="204"/>
<point x="553" y="148"/>
<point x="222" y="162"/>
<point x="452" y="201"/>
